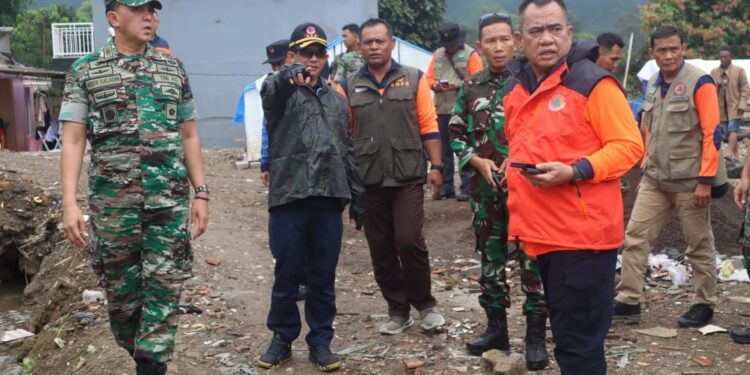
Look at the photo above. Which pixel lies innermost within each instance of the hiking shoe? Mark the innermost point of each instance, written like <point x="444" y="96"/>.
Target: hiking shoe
<point x="463" y="197"/>
<point x="396" y="325"/>
<point x="494" y="337"/>
<point x="302" y="292"/>
<point x="628" y="314"/>
<point x="698" y="316"/>
<point x="444" y="195"/>
<point x="741" y="335"/>
<point x="431" y="319"/>
<point x="276" y="354"/>
<point x="324" y="359"/>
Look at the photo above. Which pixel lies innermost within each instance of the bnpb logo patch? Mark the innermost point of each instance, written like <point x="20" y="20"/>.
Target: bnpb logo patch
<point x="557" y="103"/>
<point x="680" y="89"/>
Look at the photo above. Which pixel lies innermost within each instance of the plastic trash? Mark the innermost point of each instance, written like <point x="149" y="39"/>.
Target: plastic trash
<point x="93" y="296"/>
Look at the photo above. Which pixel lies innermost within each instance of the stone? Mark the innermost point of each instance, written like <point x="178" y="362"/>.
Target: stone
<point x="495" y="362"/>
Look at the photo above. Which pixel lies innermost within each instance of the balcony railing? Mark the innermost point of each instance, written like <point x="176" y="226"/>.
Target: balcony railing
<point x="72" y="40"/>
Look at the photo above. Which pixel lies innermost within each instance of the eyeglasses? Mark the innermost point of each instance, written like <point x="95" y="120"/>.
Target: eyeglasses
<point x="308" y="53"/>
<point x="502" y="17"/>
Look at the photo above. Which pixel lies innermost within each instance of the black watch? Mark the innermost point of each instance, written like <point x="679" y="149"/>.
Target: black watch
<point x="201" y="189"/>
<point x="439" y="167"/>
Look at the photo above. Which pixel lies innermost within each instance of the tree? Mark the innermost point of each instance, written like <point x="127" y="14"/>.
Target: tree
<point x="708" y="25"/>
<point x="32" y="37"/>
<point x="416" y="21"/>
<point x="10" y="9"/>
<point x="85" y="12"/>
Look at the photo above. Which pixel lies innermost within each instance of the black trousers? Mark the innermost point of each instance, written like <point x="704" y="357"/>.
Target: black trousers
<point x="579" y="286"/>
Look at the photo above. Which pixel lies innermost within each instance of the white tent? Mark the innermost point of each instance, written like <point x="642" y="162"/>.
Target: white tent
<point x="250" y="110"/>
<point x="651" y="68"/>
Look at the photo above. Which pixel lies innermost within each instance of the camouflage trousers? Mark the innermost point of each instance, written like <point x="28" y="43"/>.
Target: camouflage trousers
<point x="142" y="257"/>
<point x="490" y="224"/>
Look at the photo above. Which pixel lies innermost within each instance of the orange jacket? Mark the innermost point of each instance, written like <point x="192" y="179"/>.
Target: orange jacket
<point x="577" y="112"/>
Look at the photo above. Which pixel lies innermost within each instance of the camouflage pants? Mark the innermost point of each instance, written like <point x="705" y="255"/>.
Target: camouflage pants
<point x="490" y="224"/>
<point x="142" y="257"/>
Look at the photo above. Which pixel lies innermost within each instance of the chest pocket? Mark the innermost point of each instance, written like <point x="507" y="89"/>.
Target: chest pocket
<point x="361" y="99"/>
<point x="110" y="111"/>
<point x="679" y="117"/>
<point x="399" y="94"/>
<point x="166" y="98"/>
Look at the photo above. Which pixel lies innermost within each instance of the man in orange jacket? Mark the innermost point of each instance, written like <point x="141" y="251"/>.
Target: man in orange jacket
<point x="571" y="136"/>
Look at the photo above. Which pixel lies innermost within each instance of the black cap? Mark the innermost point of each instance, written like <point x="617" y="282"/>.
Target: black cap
<point x="450" y="34"/>
<point x="306" y="34"/>
<point x="276" y="51"/>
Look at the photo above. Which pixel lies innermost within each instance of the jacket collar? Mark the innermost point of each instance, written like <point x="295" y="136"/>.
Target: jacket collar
<point x="522" y="70"/>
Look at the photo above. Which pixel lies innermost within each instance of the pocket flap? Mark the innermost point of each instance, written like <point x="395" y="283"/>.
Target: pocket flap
<point x="683" y="153"/>
<point x="678" y="107"/>
<point x="365" y="146"/>
<point x="406" y="144"/>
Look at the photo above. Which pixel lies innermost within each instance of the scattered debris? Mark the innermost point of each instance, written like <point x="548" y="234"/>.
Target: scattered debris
<point x="60" y="342"/>
<point x="213" y="261"/>
<point x="665" y="333"/>
<point x="500" y="363"/>
<point x="92" y="296"/>
<point x="14" y="335"/>
<point x="703" y="361"/>
<point x="623" y="362"/>
<point x="189" y="309"/>
<point x="709" y="329"/>
<point x="413" y="363"/>
<point x="356" y="348"/>
<point x="85" y="318"/>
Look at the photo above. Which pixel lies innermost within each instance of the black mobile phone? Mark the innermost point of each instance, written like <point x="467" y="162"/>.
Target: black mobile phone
<point x="527" y="168"/>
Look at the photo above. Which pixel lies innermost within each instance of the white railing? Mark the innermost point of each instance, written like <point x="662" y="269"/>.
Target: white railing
<point x="71" y="40"/>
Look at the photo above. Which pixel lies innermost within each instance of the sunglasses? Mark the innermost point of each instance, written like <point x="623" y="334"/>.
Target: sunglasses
<point x="504" y="17"/>
<point x="308" y="53"/>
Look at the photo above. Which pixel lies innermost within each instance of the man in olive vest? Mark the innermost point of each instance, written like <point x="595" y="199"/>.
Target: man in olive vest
<point x="393" y="125"/>
<point x="451" y="64"/>
<point x="680" y="115"/>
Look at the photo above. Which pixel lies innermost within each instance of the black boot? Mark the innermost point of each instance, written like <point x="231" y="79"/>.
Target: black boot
<point x="495" y="337"/>
<point x="536" y="350"/>
<point x="148" y="367"/>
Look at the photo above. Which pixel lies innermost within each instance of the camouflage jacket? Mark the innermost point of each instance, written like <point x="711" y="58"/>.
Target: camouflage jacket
<point x="309" y="143"/>
<point x="346" y="64"/>
<point x="478" y="123"/>
<point x="133" y="108"/>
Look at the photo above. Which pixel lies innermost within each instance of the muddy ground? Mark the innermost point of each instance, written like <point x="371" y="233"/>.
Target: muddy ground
<point x="235" y="296"/>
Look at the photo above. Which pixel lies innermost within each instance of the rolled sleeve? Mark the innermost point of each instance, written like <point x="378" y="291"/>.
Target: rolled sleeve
<point x="428" y="126"/>
<point x="75" y="104"/>
<point x="186" y="107"/>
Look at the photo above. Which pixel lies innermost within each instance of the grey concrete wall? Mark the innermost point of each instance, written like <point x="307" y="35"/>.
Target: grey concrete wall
<point x="222" y="45"/>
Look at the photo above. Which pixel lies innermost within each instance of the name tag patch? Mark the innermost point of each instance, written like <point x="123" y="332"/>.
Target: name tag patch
<point x="168" y="78"/>
<point x="113" y="80"/>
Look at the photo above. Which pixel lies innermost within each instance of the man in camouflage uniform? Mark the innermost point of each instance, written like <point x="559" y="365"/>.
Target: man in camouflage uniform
<point x="478" y="139"/>
<point x="742" y="335"/>
<point x="135" y="106"/>
<point x="351" y="61"/>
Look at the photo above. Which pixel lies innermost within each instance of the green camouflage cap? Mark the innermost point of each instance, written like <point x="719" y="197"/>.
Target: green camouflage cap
<point x="134" y="3"/>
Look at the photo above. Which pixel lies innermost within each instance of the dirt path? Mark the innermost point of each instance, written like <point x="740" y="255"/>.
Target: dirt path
<point x="235" y="296"/>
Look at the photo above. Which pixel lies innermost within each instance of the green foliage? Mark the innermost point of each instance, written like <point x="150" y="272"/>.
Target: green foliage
<point x="85" y="12"/>
<point x="32" y="38"/>
<point x="10" y="9"/>
<point x="27" y="366"/>
<point x="708" y="25"/>
<point x="416" y="21"/>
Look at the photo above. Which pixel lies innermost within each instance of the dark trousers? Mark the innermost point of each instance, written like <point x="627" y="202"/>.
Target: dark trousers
<point x="448" y="158"/>
<point x="305" y="239"/>
<point x="393" y="226"/>
<point x="579" y="286"/>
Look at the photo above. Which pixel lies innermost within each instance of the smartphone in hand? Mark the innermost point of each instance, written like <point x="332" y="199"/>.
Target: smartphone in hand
<point x="527" y="168"/>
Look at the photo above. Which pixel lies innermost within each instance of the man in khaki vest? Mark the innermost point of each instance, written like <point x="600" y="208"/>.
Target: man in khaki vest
<point x="393" y="125"/>
<point x="451" y="64"/>
<point x="680" y="115"/>
<point x="734" y="92"/>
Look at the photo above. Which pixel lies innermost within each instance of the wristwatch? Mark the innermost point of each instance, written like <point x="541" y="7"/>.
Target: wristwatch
<point x="439" y="167"/>
<point x="201" y="189"/>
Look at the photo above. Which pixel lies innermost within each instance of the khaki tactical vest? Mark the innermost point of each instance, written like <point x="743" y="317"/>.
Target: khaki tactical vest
<point x="387" y="142"/>
<point x="675" y="138"/>
<point x="444" y="101"/>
